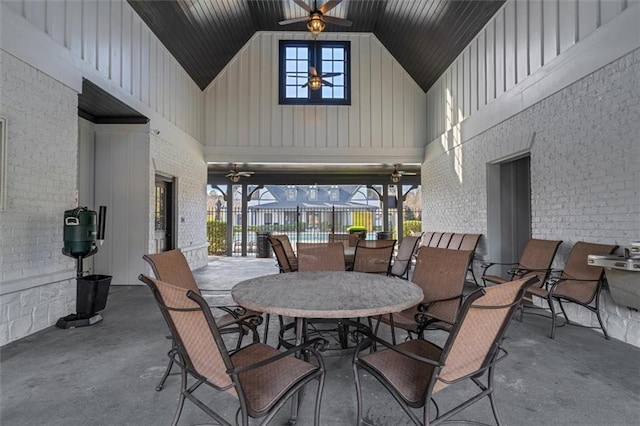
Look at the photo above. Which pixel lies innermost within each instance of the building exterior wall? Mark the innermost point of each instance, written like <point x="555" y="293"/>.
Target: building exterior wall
<point x="46" y="49"/>
<point x="189" y="172"/>
<point x="36" y="285"/>
<point x="583" y="145"/>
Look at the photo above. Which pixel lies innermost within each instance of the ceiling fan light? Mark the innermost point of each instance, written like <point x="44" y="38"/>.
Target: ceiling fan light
<point x="315" y="83"/>
<point x="395" y="178"/>
<point x="315" y="24"/>
<point x="235" y="178"/>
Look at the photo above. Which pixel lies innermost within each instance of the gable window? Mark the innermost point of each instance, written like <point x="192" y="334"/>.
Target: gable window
<point x="292" y="193"/>
<point x="331" y="60"/>
<point x="334" y="193"/>
<point x="313" y="193"/>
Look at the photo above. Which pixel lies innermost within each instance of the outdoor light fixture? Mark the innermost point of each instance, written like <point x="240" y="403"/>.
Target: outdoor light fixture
<point x="395" y="178"/>
<point x="315" y="82"/>
<point x="315" y="24"/>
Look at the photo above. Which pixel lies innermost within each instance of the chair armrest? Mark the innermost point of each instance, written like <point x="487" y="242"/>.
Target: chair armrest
<point x="393" y="348"/>
<point x="312" y="346"/>
<point x="520" y="272"/>
<point x="423" y="307"/>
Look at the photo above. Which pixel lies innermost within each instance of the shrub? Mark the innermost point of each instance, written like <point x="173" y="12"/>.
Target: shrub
<point x="409" y="226"/>
<point x="217" y="236"/>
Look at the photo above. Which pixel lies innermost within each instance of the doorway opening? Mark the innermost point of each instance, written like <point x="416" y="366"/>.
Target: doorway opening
<point x="508" y="209"/>
<point x="163" y="215"/>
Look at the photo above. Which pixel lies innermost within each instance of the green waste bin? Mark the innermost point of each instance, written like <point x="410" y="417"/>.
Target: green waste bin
<point x="384" y="235"/>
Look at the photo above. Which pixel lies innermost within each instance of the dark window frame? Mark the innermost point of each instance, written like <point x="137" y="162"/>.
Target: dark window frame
<point x="315" y="59"/>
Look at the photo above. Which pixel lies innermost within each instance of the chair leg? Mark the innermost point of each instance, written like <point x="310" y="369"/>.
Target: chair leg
<point x="316" y="417"/>
<point x="183" y="388"/>
<point x="553" y="316"/>
<point x="492" y="400"/>
<point x="358" y="395"/>
<point x="165" y="375"/>
<point x="604" y="330"/>
<point x="393" y="329"/>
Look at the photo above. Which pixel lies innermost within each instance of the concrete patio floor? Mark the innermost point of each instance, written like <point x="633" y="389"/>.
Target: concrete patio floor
<point x="106" y="374"/>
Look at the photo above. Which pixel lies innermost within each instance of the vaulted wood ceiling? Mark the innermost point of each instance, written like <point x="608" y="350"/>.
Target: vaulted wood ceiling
<point x="424" y="36"/>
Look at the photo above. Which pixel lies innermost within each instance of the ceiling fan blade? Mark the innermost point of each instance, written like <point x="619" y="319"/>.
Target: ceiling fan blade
<point x="229" y="174"/>
<point x="312" y="71"/>
<point x="328" y="5"/>
<point x="294" y="20"/>
<point x="337" y="21"/>
<point x="303" y="5"/>
<point x="331" y="74"/>
<point x="305" y="85"/>
<point x="326" y="83"/>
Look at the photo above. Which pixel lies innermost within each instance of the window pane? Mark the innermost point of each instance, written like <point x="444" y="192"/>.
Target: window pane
<point x="327" y="53"/>
<point x="338" y="54"/>
<point x="327" y="92"/>
<point x="302" y="67"/>
<point x="338" y="92"/>
<point x="292" y="80"/>
<point x="290" y="53"/>
<point x="291" y="91"/>
<point x="338" y="66"/>
<point x="303" y="53"/>
<point x="327" y="66"/>
<point x="338" y="80"/>
<point x="291" y="66"/>
<point x="303" y="92"/>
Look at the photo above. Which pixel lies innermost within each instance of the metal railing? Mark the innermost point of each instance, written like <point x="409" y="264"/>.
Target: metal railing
<point x="301" y="224"/>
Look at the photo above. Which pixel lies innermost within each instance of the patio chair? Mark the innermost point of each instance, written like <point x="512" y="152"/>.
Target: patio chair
<point x="441" y="275"/>
<point x="285" y="261"/>
<point x="402" y="262"/>
<point x="536" y="259"/>
<point x="578" y="283"/>
<point x="444" y="240"/>
<point x="173" y="266"/>
<point x="455" y="241"/>
<point x="416" y="370"/>
<point x="259" y="376"/>
<point x="373" y="257"/>
<point x="321" y="257"/>
<point x="470" y="242"/>
<point x="435" y="239"/>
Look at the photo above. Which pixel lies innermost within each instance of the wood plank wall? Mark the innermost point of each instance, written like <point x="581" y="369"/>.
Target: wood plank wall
<point x="521" y="38"/>
<point x="110" y="38"/>
<point x="385" y="120"/>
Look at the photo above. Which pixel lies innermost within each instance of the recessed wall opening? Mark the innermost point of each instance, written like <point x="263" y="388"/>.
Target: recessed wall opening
<point x="508" y="209"/>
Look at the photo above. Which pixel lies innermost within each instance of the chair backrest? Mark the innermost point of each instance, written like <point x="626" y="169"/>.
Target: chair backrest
<point x="441" y="274"/>
<point x="281" y="254"/>
<point x="194" y="329"/>
<point x="171" y="266"/>
<point x="373" y="257"/>
<point x="538" y="255"/>
<point x="286" y="244"/>
<point x="321" y="257"/>
<point x="590" y="276"/>
<point x="470" y="242"/>
<point x="576" y="265"/>
<point x="406" y="249"/>
<point x="435" y="239"/>
<point x="456" y="240"/>
<point x="426" y="239"/>
<point x="483" y="321"/>
<point x="376" y="243"/>
<point x="444" y="240"/>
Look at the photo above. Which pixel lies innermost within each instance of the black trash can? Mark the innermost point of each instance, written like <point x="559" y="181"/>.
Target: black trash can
<point x="91" y="294"/>
<point x="263" y="246"/>
<point x="384" y="235"/>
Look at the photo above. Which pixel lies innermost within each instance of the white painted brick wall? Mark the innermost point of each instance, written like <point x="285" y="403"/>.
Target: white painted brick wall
<point x="584" y="172"/>
<point x="190" y="171"/>
<point x="41" y="179"/>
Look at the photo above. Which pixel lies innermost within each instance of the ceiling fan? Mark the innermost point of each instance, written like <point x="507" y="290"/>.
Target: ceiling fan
<point x="397" y="174"/>
<point x="317" y="18"/>
<point x="315" y="80"/>
<point x="235" y="175"/>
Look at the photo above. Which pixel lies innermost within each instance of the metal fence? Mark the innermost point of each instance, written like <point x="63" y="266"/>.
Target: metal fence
<point x="303" y="224"/>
